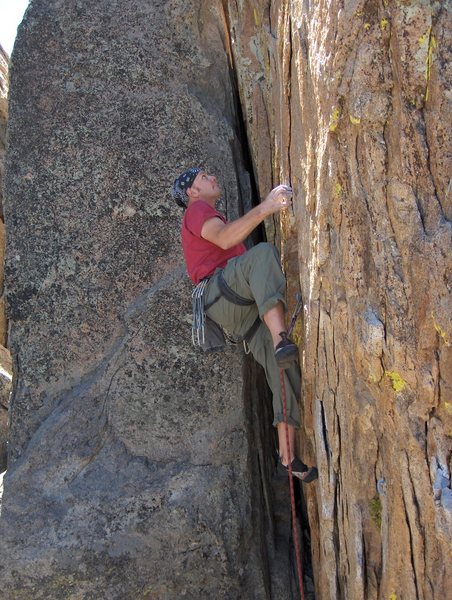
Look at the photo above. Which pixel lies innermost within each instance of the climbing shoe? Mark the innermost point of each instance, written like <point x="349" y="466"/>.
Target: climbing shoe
<point x="301" y="471"/>
<point x="286" y="352"/>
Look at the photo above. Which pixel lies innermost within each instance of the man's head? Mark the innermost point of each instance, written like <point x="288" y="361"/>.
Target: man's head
<point x="195" y="184"/>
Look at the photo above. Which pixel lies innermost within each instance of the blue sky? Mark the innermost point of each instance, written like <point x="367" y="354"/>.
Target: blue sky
<point x="11" y="13"/>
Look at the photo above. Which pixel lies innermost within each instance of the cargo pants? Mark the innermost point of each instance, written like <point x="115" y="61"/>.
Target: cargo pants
<point x="257" y="275"/>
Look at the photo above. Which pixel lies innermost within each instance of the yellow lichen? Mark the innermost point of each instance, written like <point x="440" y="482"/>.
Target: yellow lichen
<point x="256" y="18"/>
<point x="393" y="596"/>
<point x="430" y="38"/>
<point x="431" y="48"/>
<point x="424" y="38"/>
<point x="355" y="120"/>
<point x="366" y="26"/>
<point x="297" y="334"/>
<point x="337" y="190"/>
<point x="267" y="66"/>
<point x="359" y="13"/>
<point x="334" y="120"/>
<point x="448" y="407"/>
<point x="375" y="510"/>
<point x="384" y="24"/>
<point x="442" y="334"/>
<point x="397" y="383"/>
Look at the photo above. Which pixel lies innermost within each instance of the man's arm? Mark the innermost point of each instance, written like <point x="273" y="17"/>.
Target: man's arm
<point x="226" y="235"/>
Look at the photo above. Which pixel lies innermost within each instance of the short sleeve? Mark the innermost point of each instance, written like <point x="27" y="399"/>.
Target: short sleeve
<point x="197" y="214"/>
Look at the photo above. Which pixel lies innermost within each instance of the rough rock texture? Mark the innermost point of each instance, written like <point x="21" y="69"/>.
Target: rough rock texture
<point x="5" y="357"/>
<point x="121" y="454"/>
<point x="351" y="103"/>
<point x="131" y="462"/>
<point x="5" y="392"/>
<point x="4" y="86"/>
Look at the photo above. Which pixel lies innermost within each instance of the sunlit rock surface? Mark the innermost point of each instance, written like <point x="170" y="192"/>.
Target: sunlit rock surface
<point x="350" y="102"/>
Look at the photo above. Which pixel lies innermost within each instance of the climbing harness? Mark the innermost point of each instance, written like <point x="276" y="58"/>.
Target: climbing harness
<point x="289" y="466"/>
<point x="207" y="334"/>
<point x="228" y="293"/>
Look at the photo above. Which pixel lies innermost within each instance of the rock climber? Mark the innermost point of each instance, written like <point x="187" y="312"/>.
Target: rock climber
<point x="243" y="290"/>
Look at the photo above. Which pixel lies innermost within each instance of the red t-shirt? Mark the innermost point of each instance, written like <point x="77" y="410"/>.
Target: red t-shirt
<point x="201" y="256"/>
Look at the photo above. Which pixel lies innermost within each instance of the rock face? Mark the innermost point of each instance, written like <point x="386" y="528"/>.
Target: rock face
<point x="131" y="461"/>
<point x="132" y="472"/>
<point x="350" y="103"/>
<point x="5" y="357"/>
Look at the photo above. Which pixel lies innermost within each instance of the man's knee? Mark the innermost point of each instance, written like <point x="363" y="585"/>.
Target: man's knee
<point x="265" y="251"/>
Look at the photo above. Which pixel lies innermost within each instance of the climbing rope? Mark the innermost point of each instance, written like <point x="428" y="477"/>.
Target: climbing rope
<point x="296" y="539"/>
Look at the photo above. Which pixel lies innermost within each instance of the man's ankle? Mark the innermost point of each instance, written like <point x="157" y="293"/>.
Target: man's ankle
<point x="284" y="460"/>
<point x="282" y="335"/>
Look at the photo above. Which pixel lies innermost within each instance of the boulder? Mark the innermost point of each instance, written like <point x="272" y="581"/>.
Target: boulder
<point x="4" y="86"/>
<point x="132" y="463"/>
<point x="5" y="357"/>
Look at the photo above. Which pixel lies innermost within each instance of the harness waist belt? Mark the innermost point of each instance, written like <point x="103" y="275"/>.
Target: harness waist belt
<point x="229" y="293"/>
<point x="252" y="330"/>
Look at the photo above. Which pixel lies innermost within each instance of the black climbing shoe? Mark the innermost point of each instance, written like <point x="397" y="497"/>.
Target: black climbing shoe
<point x="301" y="471"/>
<point x="286" y="352"/>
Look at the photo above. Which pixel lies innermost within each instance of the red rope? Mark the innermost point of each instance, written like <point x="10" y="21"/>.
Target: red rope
<point x="292" y="494"/>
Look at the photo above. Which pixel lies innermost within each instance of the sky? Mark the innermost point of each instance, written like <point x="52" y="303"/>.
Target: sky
<point x="11" y="13"/>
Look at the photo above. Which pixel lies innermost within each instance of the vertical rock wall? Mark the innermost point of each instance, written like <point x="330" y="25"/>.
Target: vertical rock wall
<point x="350" y="102"/>
<point x="130" y="466"/>
<point x="5" y="357"/>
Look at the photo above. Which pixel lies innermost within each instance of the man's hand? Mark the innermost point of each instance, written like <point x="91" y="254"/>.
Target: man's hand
<point x="226" y="235"/>
<point x="277" y="199"/>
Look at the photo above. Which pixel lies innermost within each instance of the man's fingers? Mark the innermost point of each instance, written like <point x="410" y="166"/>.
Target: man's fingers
<point x="280" y="197"/>
<point x="285" y="194"/>
<point x="282" y="190"/>
<point x="285" y="201"/>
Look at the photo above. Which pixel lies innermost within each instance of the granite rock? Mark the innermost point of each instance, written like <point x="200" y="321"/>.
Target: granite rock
<point x="132" y="464"/>
<point x="350" y="103"/>
<point x="5" y="357"/>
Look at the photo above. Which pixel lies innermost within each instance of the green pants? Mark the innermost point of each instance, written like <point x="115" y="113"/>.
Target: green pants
<point x="257" y="275"/>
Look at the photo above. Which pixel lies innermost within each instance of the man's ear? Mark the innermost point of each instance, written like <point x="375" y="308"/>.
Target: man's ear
<point x="192" y="192"/>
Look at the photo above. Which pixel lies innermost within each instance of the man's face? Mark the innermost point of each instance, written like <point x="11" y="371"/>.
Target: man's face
<point x="205" y="187"/>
